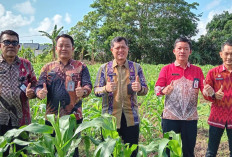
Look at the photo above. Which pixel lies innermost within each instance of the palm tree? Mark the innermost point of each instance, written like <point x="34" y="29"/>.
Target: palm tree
<point x="53" y="36"/>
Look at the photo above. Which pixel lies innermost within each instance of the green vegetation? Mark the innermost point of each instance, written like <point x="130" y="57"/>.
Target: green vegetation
<point x="150" y="26"/>
<point x="90" y="141"/>
<point x="52" y="37"/>
<point x="207" y="48"/>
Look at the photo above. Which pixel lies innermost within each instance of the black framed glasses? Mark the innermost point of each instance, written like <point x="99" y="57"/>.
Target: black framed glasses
<point x="8" y="42"/>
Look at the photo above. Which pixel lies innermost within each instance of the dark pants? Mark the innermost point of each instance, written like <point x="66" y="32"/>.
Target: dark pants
<point x="215" y="135"/>
<point x="3" y="130"/>
<point x="129" y="134"/>
<point x="188" y="131"/>
<point x="76" y="152"/>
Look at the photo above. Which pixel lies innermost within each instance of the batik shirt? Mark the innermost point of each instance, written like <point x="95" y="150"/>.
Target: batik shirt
<point x="124" y="99"/>
<point x="59" y="80"/>
<point x="221" y="110"/>
<point x="14" y="103"/>
<point x="181" y="103"/>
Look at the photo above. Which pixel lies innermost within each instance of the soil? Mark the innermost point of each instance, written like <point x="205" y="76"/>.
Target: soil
<point x="202" y="144"/>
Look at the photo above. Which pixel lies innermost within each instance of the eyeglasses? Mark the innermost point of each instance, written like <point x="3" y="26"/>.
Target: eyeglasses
<point x="8" y="42"/>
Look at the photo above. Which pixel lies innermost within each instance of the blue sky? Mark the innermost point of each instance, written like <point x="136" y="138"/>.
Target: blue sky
<point x="28" y="16"/>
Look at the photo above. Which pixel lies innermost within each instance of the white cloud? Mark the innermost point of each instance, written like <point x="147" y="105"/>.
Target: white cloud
<point x="67" y="18"/>
<point x="25" y="8"/>
<point x="10" y="21"/>
<point x="57" y="20"/>
<point x="47" y="24"/>
<point x="44" y="25"/>
<point x="204" y="21"/>
<point x="2" y="10"/>
<point x="213" y="4"/>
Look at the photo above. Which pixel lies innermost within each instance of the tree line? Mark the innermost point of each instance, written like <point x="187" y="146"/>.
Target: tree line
<point x="151" y="26"/>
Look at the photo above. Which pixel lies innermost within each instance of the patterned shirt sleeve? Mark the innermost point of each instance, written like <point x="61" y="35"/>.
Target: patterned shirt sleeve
<point x="100" y="83"/>
<point x="144" y="88"/>
<point x="161" y="82"/>
<point x="42" y="79"/>
<point x="86" y="81"/>
<point x="32" y="77"/>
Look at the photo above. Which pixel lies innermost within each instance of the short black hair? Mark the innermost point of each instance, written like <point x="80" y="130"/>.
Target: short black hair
<point x="65" y="36"/>
<point x="9" y="32"/>
<point x="118" y="39"/>
<point x="183" y="39"/>
<point x="228" y="42"/>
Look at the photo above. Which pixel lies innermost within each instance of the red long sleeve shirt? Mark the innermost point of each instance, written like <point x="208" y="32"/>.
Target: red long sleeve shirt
<point x="181" y="103"/>
<point x="220" y="109"/>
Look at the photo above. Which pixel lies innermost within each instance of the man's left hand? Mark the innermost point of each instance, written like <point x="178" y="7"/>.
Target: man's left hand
<point x="79" y="90"/>
<point x="30" y="92"/>
<point x="136" y="86"/>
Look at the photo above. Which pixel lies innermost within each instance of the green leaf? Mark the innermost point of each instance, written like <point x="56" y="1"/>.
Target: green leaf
<point x="106" y="148"/>
<point x="162" y="145"/>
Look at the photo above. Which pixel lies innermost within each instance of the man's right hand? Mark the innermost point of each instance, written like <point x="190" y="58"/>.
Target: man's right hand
<point x="207" y="90"/>
<point x="168" y="89"/>
<point x="110" y="86"/>
<point x="42" y="93"/>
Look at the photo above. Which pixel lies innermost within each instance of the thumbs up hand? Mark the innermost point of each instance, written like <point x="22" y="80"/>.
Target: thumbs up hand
<point x="136" y="86"/>
<point x="29" y="91"/>
<point x="42" y="93"/>
<point x="219" y="94"/>
<point x="110" y="86"/>
<point x="168" y="89"/>
<point x="79" y="90"/>
<point x="207" y="90"/>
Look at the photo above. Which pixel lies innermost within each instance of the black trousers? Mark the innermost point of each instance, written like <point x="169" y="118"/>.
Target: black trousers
<point x="188" y="131"/>
<point x="215" y="135"/>
<point x="3" y="130"/>
<point x="76" y="153"/>
<point x="129" y="134"/>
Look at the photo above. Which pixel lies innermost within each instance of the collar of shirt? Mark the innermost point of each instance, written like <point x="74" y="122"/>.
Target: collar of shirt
<point x="116" y="64"/>
<point x="69" y="62"/>
<point x="17" y="60"/>
<point x="177" y="64"/>
<point x="222" y="68"/>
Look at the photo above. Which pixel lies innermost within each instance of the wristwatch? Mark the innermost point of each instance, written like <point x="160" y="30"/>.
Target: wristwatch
<point x="85" y="92"/>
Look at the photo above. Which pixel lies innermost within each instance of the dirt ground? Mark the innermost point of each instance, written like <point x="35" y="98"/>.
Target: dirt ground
<point x="202" y="144"/>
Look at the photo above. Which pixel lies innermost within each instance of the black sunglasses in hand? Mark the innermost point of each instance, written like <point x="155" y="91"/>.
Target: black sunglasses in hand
<point x="8" y="42"/>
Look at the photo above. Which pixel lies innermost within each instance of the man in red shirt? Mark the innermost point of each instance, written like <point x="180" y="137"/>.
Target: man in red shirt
<point x="219" y="79"/>
<point x="180" y="83"/>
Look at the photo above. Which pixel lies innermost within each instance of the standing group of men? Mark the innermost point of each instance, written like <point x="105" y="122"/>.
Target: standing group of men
<point x="66" y="81"/>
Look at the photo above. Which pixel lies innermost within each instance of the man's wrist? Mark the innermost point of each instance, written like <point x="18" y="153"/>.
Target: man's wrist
<point x="213" y="96"/>
<point x="85" y="92"/>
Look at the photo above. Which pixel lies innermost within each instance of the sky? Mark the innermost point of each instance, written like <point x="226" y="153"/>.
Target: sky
<point x="27" y="17"/>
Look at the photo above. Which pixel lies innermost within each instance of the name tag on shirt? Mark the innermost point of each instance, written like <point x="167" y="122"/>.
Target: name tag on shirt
<point x="71" y="86"/>
<point x="22" y="87"/>
<point x="219" y="78"/>
<point x="175" y="74"/>
<point x="196" y="83"/>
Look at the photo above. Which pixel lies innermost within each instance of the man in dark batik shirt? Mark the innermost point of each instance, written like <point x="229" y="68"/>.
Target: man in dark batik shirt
<point x="17" y="83"/>
<point x="65" y="82"/>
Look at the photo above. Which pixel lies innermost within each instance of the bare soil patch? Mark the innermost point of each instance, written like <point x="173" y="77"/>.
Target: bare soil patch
<point x="202" y="145"/>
